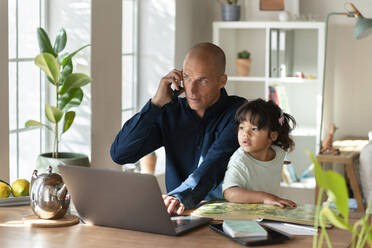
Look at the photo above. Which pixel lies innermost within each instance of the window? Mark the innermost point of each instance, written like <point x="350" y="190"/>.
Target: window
<point x="26" y="87"/>
<point x="129" y="59"/>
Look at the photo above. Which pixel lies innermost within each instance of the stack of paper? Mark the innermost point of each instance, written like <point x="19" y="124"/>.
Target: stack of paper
<point x="289" y="229"/>
<point x="243" y="228"/>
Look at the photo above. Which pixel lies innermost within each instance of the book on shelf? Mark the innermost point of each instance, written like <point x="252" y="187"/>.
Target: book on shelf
<point x="288" y="173"/>
<point x="273" y="96"/>
<point x="243" y="228"/>
<point x="278" y="95"/>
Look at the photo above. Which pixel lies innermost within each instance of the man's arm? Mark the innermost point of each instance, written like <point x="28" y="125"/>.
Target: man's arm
<point x="142" y="134"/>
<point x="211" y="171"/>
<point x="139" y="136"/>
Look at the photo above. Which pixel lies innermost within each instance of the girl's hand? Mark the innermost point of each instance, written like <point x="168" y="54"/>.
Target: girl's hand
<point x="275" y="200"/>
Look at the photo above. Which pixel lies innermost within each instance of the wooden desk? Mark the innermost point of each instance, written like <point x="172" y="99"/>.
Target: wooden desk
<point x="14" y="234"/>
<point x="350" y="150"/>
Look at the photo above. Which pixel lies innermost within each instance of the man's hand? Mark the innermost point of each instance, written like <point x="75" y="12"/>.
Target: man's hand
<point x="281" y="202"/>
<point x="173" y="205"/>
<point x="164" y="93"/>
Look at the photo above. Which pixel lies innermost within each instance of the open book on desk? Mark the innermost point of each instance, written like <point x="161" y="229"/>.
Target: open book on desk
<point x="304" y="214"/>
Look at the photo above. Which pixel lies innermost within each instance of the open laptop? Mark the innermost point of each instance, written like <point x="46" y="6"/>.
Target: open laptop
<point x="124" y="200"/>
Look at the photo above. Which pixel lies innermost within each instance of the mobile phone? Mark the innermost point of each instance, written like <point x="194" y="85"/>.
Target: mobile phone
<point x="178" y="92"/>
<point x="273" y="237"/>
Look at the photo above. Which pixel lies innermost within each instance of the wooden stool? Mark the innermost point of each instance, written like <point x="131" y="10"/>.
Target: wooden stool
<point x="347" y="158"/>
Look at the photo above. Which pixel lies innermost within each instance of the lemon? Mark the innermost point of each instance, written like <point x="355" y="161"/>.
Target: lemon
<point x="4" y="190"/>
<point x="21" y="187"/>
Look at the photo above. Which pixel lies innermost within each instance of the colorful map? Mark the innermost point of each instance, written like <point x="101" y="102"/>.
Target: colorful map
<point x="303" y="214"/>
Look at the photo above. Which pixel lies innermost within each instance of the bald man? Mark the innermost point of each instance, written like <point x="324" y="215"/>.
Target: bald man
<point x="197" y="131"/>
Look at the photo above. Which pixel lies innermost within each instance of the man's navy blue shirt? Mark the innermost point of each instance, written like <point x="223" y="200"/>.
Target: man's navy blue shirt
<point x="197" y="149"/>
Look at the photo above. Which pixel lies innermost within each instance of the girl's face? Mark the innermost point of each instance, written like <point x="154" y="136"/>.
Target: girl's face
<point x="256" y="142"/>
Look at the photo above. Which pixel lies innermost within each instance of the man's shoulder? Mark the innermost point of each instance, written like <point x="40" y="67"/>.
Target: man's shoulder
<point x="236" y="100"/>
<point x="232" y="104"/>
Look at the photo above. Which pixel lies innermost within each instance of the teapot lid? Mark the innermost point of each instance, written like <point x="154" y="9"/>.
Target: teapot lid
<point x="50" y="177"/>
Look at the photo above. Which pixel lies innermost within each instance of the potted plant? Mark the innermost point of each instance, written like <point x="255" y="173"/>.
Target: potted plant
<point x="58" y="68"/>
<point x="230" y="10"/>
<point x="335" y="187"/>
<point x="243" y="63"/>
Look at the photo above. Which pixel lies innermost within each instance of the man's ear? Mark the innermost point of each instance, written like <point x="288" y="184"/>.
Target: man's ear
<point x="223" y="80"/>
<point x="274" y="135"/>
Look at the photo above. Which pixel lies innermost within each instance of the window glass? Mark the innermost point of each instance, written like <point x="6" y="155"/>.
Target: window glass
<point x="126" y="115"/>
<point x="25" y="92"/>
<point x="127" y="88"/>
<point x="12" y="28"/>
<point x="13" y="156"/>
<point x="128" y="9"/>
<point x="29" y="149"/>
<point x="29" y="92"/>
<point x="129" y="66"/>
<point x="12" y="96"/>
<point x="28" y="22"/>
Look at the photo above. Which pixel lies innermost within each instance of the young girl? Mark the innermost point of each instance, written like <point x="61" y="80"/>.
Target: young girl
<point x="254" y="170"/>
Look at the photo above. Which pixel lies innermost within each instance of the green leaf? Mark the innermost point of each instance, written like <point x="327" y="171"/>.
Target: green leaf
<point x="44" y="42"/>
<point x="50" y="80"/>
<point x="334" y="219"/>
<point x="337" y="185"/>
<point x="31" y="123"/>
<point x="53" y="114"/>
<point x="369" y="237"/>
<point x="69" y="119"/>
<point x="74" y="80"/>
<point x="318" y="171"/>
<point x="48" y="63"/>
<point x="71" y="98"/>
<point x="61" y="57"/>
<point x="60" y="42"/>
<point x="66" y="59"/>
<point x="67" y="70"/>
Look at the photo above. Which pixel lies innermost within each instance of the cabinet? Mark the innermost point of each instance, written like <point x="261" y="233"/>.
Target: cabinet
<point x="280" y="51"/>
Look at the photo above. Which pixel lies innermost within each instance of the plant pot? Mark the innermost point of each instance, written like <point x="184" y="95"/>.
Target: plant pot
<point x="243" y="67"/>
<point x="230" y="12"/>
<point x="148" y="163"/>
<point x="64" y="158"/>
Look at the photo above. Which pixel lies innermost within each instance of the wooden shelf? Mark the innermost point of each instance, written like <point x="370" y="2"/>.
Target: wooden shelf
<point x="263" y="24"/>
<point x="292" y="80"/>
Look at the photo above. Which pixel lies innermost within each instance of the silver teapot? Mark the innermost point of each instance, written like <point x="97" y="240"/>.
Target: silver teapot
<point x="49" y="197"/>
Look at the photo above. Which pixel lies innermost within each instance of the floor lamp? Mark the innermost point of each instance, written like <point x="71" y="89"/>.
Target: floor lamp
<point x="362" y="28"/>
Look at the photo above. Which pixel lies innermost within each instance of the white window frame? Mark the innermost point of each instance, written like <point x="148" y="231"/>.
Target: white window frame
<point x="135" y="56"/>
<point x="17" y="60"/>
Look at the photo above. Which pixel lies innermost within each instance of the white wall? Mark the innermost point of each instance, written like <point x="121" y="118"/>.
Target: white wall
<point x="194" y="20"/>
<point x="348" y="72"/>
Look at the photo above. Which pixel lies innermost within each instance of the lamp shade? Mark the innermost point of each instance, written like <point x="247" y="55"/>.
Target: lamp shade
<point x="362" y="28"/>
